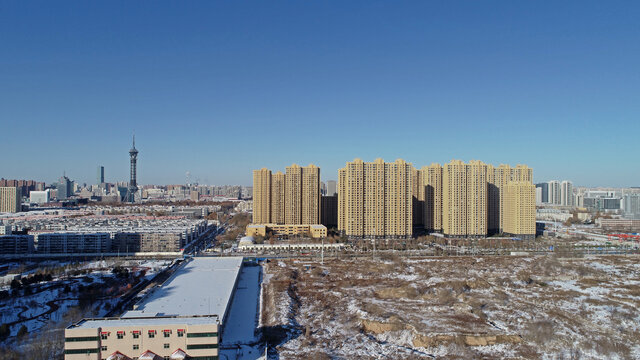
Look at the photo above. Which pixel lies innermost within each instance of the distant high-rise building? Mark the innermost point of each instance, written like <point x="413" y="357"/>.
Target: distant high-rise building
<point x="544" y="192"/>
<point x="631" y="203"/>
<point x="554" y="192"/>
<point x="331" y="188"/>
<point x="566" y="193"/>
<point x="418" y="197"/>
<point x="520" y="210"/>
<point x="293" y="195"/>
<point x="310" y="195"/>
<point x="465" y="199"/>
<point x="329" y="211"/>
<point x="289" y="199"/>
<point x="474" y="196"/>
<point x="432" y="182"/>
<point x="277" y="198"/>
<point x="261" y="196"/>
<point x="538" y="195"/>
<point x="64" y="187"/>
<point x="25" y="186"/>
<point x="323" y="188"/>
<point x="375" y="199"/>
<point x="10" y="199"/>
<point x="100" y="178"/>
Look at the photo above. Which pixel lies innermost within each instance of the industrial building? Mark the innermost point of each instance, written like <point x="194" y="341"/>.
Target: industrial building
<point x="182" y="319"/>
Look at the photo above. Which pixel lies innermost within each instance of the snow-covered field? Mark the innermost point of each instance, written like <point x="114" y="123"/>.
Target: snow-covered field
<point x="466" y="307"/>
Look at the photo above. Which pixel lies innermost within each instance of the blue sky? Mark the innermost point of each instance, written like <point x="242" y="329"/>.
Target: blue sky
<point x="221" y="88"/>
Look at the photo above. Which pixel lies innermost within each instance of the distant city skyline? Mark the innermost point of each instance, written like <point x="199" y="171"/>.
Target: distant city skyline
<point x="233" y="87"/>
<point x="195" y="176"/>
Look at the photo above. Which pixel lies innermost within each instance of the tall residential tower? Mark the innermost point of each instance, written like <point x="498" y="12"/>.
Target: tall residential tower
<point x="375" y="199"/>
<point x="292" y="198"/>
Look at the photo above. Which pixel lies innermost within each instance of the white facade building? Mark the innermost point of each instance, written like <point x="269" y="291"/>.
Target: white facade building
<point x="554" y="192"/>
<point x="39" y="197"/>
<point x="566" y="193"/>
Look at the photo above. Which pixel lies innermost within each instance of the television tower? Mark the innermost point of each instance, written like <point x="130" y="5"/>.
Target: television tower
<point x="133" y="187"/>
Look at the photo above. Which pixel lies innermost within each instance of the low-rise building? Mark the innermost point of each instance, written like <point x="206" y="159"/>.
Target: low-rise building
<point x="619" y="224"/>
<point x="16" y="244"/>
<point x="73" y="242"/>
<point x="314" y="231"/>
<point x="183" y="319"/>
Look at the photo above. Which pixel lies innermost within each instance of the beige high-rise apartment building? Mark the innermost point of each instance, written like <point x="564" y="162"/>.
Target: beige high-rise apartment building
<point x="520" y="210"/>
<point x="277" y="198"/>
<point x="497" y="180"/>
<point x="454" y="199"/>
<point x="465" y="199"/>
<point x="310" y="194"/>
<point x="431" y="186"/>
<point x="293" y="195"/>
<point x="502" y="177"/>
<point x="287" y="199"/>
<point x="375" y="199"/>
<point x="418" y="197"/>
<point x="522" y="173"/>
<point x="261" y="196"/>
<point x="477" y="198"/>
<point x="342" y="199"/>
<point x="10" y="199"/>
<point x="493" y="202"/>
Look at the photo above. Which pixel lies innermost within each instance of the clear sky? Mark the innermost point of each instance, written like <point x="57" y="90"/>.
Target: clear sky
<point x="220" y="88"/>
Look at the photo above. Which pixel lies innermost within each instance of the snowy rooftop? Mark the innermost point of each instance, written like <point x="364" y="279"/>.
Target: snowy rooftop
<point x="202" y="287"/>
<point x="153" y="321"/>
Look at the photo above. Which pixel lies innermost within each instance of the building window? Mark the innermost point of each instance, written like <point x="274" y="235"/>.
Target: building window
<point x="103" y="348"/>
<point x="103" y="336"/>
<point x="166" y="346"/>
<point x="167" y="334"/>
<point x="120" y="336"/>
<point x="136" y="347"/>
<point x="180" y="333"/>
<point x="136" y="335"/>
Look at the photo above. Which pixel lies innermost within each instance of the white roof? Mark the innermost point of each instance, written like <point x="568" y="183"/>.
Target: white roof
<point x="202" y="287"/>
<point x="157" y="321"/>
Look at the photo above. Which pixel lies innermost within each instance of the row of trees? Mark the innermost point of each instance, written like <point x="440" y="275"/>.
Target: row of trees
<point x="28" y="280"/>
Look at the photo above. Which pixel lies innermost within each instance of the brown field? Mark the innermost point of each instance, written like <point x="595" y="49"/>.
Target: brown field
<point x="464" y="307"/>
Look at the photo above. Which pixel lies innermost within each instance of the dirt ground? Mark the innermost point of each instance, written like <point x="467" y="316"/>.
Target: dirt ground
<point x="463" y="307"/>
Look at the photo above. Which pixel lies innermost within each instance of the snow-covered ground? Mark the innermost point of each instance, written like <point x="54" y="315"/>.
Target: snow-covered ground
<point x="240" y="339"/>
<point x="48" y="304"/>
<point x="486" y="307"/>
